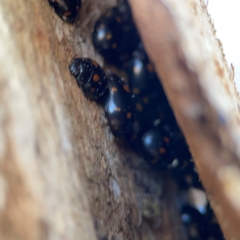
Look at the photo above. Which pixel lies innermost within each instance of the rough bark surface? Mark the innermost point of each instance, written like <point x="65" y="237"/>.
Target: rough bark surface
<point x="62" y="174"/>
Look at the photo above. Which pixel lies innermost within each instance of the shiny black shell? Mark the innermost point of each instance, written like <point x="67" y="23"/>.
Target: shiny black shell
<point x="90" y="77"/>
<point x="141" y="74"/>
<point x="157" y="147"/>
<point x="115" y="36"/>
<point x="67" y="10"/>
<point x="107" y="34"/>
<point x="118" y="107"/>
<point x="143" y="118"/>
<point x="195" y="223"/>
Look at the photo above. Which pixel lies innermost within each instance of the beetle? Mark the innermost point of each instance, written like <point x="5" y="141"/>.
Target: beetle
<point x="141" y="74"/>
<point x="195" y="223"/>
<point x="90" y="77"/>
<point x="157" y="147"/>
<point x="118" y="107"/>
<point x="115" y="36"/>
<point x="67" y="10"/>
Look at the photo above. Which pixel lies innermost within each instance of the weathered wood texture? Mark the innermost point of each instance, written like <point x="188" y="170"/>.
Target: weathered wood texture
<point x="62" y="175"/>
<point x="180" y="39"/>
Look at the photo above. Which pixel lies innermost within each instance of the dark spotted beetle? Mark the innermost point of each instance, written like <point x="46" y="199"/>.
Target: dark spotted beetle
<point x="157" y="147"/>
<point x="67" y="10"/>
<point x="195" y="223"/>
<point x="118" y="107"/>
<point x="90" y="78"/>
<point x="107" y="35"/>
<point x="141" y="73"/>
<point x="115" y="35"/>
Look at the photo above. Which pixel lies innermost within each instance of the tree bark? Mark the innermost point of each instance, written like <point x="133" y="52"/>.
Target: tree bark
<point x="62" y="174"/>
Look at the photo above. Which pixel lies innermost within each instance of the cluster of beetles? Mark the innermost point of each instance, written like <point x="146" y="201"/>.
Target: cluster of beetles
<point x="136" y="108"/>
